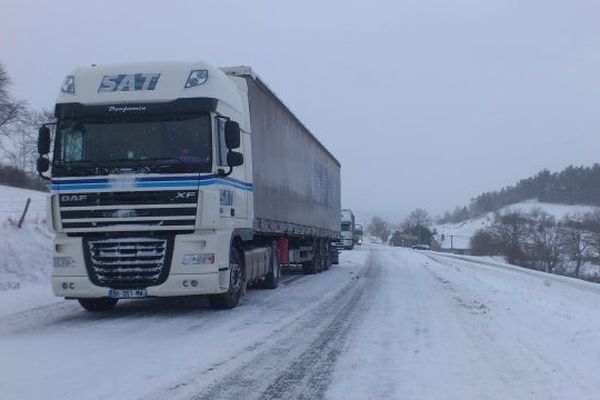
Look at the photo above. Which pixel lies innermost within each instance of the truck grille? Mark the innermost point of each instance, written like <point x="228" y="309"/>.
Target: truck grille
<point x="128" y="262"/>
<point x="128" y="211"/>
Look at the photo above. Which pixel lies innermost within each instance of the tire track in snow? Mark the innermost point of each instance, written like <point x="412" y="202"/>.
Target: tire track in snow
<point x="299" y="363"/>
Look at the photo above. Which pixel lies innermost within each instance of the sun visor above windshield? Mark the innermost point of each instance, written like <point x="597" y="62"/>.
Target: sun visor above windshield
<point x="186" y="105"/>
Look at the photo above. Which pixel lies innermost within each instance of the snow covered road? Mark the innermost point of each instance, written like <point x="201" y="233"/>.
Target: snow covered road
<point x="386" y="324"/>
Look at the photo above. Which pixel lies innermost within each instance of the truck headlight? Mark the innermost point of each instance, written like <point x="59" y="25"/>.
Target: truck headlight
<point x="197" y="77"/>
<point x="64" y="262"/>
<point x="195" y="259"/>
<point x="68" y="85"/>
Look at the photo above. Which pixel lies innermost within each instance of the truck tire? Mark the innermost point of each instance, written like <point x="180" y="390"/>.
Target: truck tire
<point x="97" y="305"/>
<point x="311" y="267"/>
<point x="231" y="298"/>
<point x="335" y="257"/>
<point x="272" y="278"/>
<point x="322" y="257"/>
<point x="308" y="268"/>
<point x="327" y="255"/>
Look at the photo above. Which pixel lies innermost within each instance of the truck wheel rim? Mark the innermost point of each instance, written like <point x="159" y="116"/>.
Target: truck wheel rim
<point x="235" y="281"/>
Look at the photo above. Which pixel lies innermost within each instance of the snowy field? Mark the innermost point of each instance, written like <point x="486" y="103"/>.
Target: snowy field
<point x="388" y="323"/>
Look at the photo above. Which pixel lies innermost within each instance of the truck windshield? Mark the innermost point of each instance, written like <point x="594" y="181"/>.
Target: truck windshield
<point x="345" y="227"/>
<point x="162" y="143"/>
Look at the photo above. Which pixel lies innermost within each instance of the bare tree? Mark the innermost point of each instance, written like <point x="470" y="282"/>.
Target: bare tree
<point x="511" y="230"/>
<point x="577" y="240"/>
<point x="485" y="243"/>
<point x="10" y="110"/>
<point x="593" y="225"/>
<point x="545" y="239"/>
<point x="18" y="128"/>
<point x="380" y="229"/>
<point x="418" y="217"/>
<point x="20" y="147"/>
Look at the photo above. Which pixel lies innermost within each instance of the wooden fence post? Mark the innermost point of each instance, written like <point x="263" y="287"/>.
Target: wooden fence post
<point x="24" y="213"/>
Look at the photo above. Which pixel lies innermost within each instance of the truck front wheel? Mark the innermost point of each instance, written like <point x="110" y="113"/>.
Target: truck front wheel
<point x="236" y="282"/>
<point x="96" y="305"/>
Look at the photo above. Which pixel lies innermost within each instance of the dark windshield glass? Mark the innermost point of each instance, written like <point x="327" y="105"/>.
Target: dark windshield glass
<point x="165" y="143"/>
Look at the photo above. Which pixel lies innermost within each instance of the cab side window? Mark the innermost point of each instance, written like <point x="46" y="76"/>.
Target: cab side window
<point x="221" y="148"/>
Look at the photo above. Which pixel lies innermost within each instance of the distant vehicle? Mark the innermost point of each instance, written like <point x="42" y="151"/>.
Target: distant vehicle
<point x="347" y="241"/>
<point x="358" y="234"/>
<point x="421" y="247"/>
<point x="180" y="179"/>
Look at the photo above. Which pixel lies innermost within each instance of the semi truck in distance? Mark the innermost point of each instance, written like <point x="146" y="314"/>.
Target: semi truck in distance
<point x="348" y="226"/>
<point x="180" y="179"/>
<point x="358" y="234"/>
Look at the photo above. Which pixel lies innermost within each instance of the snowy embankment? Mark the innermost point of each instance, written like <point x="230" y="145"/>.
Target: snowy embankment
<point x="25" y="253"/>
<point x="459" y="235"/>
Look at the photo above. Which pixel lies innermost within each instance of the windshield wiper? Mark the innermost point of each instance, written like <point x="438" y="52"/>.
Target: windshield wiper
<point x="137" y="163"/>
<point x="157" y="160"/>
<point x="81" y="163"/>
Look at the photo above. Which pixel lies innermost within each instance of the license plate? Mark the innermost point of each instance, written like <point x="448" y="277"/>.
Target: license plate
<point x="127" y="294"/>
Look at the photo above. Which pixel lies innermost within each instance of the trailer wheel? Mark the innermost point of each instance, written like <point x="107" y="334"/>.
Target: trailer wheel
<point x="335" y="257"/>
<point x="96" y="305"/>
<point x="327" y="255"/>
<point x="313" y="266"/>
<point x="320" y="255"/>
<point x="272" y="278"/>
<point x="236" y="281"/>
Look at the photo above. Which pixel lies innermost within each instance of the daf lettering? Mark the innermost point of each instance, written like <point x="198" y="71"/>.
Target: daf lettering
<point x="73" y="197"/>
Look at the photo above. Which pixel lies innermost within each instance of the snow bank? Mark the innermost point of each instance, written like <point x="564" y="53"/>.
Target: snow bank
<point x="25" y="253"/>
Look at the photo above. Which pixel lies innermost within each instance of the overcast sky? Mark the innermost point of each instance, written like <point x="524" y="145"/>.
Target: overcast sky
<point x="425" y="103"/>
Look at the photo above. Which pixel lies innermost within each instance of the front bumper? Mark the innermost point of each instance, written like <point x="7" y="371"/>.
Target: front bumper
<point x="182" y="280"/>
<point x="175" y="285"/>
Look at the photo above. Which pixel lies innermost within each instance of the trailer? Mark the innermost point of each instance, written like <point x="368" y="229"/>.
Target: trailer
<point x="180" y="179"/>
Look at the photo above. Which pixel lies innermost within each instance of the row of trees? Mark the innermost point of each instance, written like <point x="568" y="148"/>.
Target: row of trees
<point x="18" y="136"/>
<point x="537" y="240"/>
<point x="418" y="224"/>
<point x="573" y="185"/>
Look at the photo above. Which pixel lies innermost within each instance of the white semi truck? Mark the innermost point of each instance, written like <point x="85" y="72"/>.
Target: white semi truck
<point x="179" y="179"/>
<point x="358" y="234"/>
<point x="348" y="222"/>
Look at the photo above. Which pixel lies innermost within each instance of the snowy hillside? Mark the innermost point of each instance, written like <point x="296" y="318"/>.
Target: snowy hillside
<point x="459" y="235"/>
<point x="26" y="253"/>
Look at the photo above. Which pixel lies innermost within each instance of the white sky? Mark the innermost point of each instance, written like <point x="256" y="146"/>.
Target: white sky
<point x="425" y="103"/>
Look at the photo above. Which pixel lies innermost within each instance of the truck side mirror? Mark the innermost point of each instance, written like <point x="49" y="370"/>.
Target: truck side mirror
<point x="43" y="165"/>
<point x="232" y="135"/>
<point x="44" y="140"/>
<point x="235" y="159"/>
